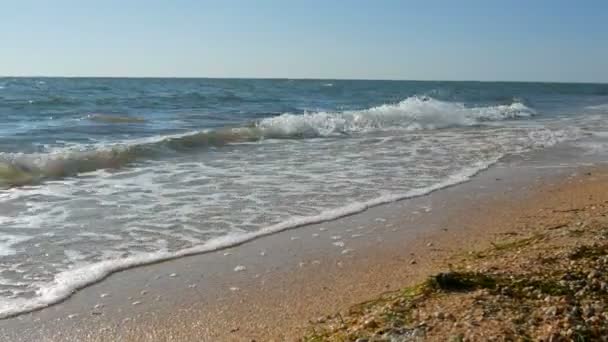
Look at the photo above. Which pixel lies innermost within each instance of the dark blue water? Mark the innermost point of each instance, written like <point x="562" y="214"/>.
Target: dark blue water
<point x="39" y="111"/>
<point x="98" y="175"/>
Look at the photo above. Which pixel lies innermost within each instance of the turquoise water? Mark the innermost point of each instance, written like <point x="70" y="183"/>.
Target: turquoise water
<point x="98" y="175"/>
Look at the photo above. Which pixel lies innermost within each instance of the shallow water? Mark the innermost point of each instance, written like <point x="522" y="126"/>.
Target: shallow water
<point x="103" y="174"/>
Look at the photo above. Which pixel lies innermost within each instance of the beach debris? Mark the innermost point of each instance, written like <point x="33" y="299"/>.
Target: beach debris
<point x="295" y="238"/>
<point x="234" y="288"/>
<point x="354" y="236"/>
<point x="137" y="302"/>
<point x="104" y="295"/>
<point x="240" y="268"/>
<point x="322" y="229"/>
<point x="227" y="253"/>
<point x="336" y="237"/>
<point x="191" y="286"/>
<point x="262" y="253"/>
<point x="315" y="235"/>
<point x="173" y="275"/>
<point x="430" y="244"/>
<point x="316" y="262"/>
<point x="143" y="292"/>
<point x="70" y="316"/>
<point x="338" y="243"/>
<point x="347" y="251"/>
<point x="98" y="306"/>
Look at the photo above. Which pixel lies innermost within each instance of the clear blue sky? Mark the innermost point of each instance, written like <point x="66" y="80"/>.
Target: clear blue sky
<point x="529" y="40"/>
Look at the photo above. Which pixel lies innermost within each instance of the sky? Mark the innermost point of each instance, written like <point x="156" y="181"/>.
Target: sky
<point x="486" y="40"/>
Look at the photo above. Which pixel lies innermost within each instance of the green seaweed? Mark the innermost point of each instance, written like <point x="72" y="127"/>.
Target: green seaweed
<point x="462" y="281"/>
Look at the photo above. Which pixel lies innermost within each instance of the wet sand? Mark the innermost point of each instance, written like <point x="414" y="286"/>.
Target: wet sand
<point x="269" y="289"/>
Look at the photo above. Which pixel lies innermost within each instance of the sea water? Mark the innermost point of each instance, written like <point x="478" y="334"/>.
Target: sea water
<point x="99" y="175"/>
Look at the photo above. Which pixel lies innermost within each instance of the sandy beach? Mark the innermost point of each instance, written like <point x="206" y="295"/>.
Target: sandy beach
<point x="274" y="288"/>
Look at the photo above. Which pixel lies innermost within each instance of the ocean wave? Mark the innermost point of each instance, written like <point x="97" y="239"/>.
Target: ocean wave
<point x="414" y="113"/>
<point x="114" y="119"/>
<point x="50" y="102"/>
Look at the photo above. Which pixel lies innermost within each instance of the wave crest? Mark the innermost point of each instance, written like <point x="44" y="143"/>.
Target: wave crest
<point x="416" y="112"/>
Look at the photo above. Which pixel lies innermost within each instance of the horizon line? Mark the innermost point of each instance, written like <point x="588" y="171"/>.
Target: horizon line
<point x="305" y="79"/>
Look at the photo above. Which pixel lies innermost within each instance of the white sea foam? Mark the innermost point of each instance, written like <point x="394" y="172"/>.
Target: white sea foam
<point x="65" y="283"/>
<point x="8" y="242"/>
<point x="412" y="113"/>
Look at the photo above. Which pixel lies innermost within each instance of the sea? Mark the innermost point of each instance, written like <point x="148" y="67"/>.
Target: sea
<point x="99" y="175"/>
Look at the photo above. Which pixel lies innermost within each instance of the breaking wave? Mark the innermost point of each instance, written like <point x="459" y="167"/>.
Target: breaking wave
<point x="413" y="113"/>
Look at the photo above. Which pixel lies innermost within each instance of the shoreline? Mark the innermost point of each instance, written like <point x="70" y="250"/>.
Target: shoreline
<point x="291" y="276"/>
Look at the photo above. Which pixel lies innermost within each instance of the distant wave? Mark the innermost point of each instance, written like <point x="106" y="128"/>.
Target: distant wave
<point x="108" y="118"/>
<point x="600" y="107"/>
<point x="42" y="103"/>
<point x="413" y="113"/>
